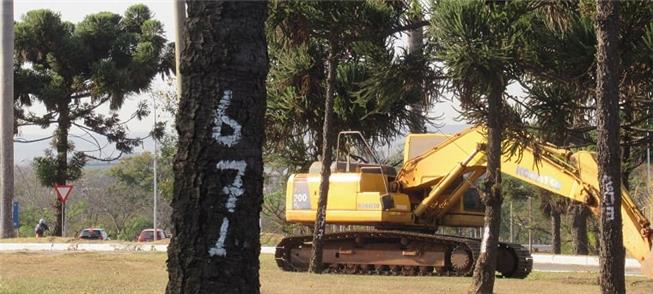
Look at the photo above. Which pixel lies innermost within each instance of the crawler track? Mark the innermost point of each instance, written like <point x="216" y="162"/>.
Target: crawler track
<point x="399" y="253"/>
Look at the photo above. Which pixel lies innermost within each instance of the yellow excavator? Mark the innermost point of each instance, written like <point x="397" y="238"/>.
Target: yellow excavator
<point x="435" y="187"/>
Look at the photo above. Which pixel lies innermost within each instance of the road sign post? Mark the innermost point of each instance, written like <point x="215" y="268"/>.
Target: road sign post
<point x="63" y="191"/>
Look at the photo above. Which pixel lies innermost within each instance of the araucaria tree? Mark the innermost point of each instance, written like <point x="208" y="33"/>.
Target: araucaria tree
<point x="334" y="69"/>
<point x="73" y="69"/>
<point x="219" y="167"/>
<point x="476" y="43"/>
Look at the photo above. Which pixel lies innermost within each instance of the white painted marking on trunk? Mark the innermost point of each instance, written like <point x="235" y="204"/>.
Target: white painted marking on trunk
<point x="486" y="236"/>
<point x="608" y="198"/>
<point x="235" y="189"/>
<point x="219" y="249"/>
<point x="221" y="117"/>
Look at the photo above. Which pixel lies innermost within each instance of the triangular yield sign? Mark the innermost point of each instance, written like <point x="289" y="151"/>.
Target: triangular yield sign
<point x="62" y="192"/>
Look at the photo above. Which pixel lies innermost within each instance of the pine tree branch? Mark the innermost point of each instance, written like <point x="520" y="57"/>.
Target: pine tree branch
<point x="18" y="140"/>
<point x="104" y="159"/>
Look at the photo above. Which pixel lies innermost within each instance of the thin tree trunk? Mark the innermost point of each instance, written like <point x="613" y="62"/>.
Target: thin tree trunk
<point x="578" y="211"/>
<point x="320" y="217"/>
<point x="611" y="251"/>
<point x="218" y="166"/>
<point x="416" y="48"/>
<point x="61" y="144"/>
<point x="555" y="231"/>
<point x="484" y="270"/>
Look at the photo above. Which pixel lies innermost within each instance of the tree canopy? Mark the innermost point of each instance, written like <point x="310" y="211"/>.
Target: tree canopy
<point x="375" y="85"/>
<point x="73" y="69"/>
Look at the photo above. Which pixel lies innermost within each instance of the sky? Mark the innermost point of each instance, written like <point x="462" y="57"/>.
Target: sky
<point x="75" y="11"/>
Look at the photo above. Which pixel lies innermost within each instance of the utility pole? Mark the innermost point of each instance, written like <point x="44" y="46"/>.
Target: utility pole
<point x="7" y="118"/>
<point x="155" y="234"/>
<point x="180" y="18"/>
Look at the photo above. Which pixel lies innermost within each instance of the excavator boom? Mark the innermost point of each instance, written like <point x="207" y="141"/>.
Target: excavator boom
<point x="574" y="176"/>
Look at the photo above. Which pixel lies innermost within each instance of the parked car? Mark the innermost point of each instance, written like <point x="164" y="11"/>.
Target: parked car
<point x="93" y="234"/>
<point x="147" y="235"/>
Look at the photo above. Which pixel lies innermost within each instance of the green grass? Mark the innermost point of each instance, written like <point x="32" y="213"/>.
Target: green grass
<point x="79" y="272"/>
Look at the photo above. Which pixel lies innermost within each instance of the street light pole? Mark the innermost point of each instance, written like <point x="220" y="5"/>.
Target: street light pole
<point x="7" y="118"/>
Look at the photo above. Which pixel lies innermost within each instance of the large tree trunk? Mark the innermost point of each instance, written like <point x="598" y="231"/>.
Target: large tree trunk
<point x="320" y="217"/>
<point x="579" y="213"/>
<point x="61" y="144"/>
<point x="555" y="231"/>
<point x="611" y="252"/>
<point x="218" y="166"/>
<point x="485" y="268"/>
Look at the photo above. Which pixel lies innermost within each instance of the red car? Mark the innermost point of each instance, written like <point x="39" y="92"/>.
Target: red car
<point x="147" y="235"/>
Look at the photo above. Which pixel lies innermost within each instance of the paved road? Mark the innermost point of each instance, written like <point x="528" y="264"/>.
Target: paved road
<point x="552" y="267"/>
<point x="541" y="262"/>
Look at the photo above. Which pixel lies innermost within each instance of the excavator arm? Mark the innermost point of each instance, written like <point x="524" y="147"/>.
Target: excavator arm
<point x="574" y="176"/>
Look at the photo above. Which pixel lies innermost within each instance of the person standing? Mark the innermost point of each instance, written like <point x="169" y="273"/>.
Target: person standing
<point x="40" y="228"/>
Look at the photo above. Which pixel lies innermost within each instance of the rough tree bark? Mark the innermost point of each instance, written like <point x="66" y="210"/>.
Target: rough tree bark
<point x="579" y="214"/>
<point x="611" y="252"/>
<point x="218" y="167"/>
<point x="320" y="217"/>
<point x="484" y="270"/>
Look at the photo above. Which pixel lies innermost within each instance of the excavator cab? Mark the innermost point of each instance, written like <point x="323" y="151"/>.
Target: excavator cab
<point x="359" y="188"/>
<point x="351" y="148"/>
